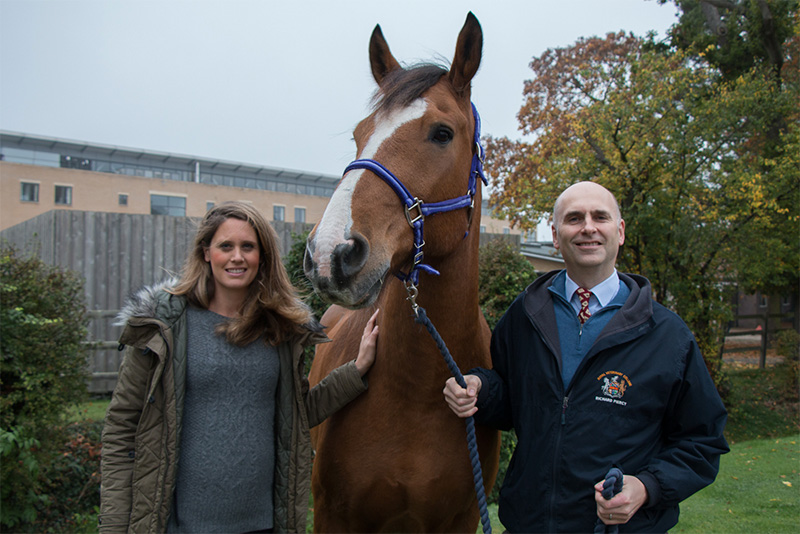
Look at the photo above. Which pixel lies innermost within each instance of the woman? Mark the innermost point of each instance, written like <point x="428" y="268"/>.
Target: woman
<point x="207" y="430"/>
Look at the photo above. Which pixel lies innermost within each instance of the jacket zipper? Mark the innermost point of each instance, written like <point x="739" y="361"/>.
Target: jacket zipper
<point x="551" y="514"/>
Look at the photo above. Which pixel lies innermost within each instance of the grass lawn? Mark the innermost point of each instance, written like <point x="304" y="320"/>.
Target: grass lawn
<point x="757" y="490"/>
<point x="758" y="486"/>
<point x="93" y="410"/>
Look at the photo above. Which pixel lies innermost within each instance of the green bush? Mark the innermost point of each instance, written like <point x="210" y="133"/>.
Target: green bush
<point x="42" y="374"/>
<point x="787" y="344"/>
<point x="73" y="481"/>
<point x="42" y="327"/>
<point x="504" y="274"/>
<point x="293" y="262"/>
<point x="21" y="487"/>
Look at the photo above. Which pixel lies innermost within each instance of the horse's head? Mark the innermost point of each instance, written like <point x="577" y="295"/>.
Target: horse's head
<point x="422" y="129"/>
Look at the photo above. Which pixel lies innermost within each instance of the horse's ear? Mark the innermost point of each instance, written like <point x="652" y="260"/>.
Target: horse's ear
<point x="468" y="54"/>
<point x="380" y="57"/>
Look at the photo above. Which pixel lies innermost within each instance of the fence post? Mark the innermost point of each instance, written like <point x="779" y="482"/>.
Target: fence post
<point x="762" y="361"/>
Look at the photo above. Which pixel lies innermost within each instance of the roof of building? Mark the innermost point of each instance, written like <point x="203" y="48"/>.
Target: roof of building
<point x="85" y="149"/>
<point x="541" y="250"/>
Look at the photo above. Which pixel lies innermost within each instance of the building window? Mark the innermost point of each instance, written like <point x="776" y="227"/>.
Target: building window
<point x="29" y="192"/>
<point x="29" y="157"/>
<point x="70" y="162"/>
<point x="64" y="195"/>
<point x="123" y="199"/>
<point x="506" y="231"/>
<point x="167" y="205"/>
<point x="483" y="229"/>
<point x="278" y="213"/>
<point x="299" y="215"/>
<point x="762" y="301"/>
<point x="209" y="205"/>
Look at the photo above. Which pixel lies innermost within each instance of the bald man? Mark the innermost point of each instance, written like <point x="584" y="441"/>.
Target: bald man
<point x="592" y="374"/>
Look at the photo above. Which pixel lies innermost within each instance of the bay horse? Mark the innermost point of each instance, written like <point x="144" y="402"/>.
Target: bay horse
<point x="396" y="458"/>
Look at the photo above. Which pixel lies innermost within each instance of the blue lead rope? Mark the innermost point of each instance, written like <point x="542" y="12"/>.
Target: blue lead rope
<point x="472" y="441"/>
<point x="611" y="486"/>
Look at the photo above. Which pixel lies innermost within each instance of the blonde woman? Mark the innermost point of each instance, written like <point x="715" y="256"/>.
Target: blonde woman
<point x="207" y="430"/>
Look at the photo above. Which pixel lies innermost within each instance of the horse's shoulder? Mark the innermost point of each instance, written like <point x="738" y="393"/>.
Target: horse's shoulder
<point x="333" y="315"/>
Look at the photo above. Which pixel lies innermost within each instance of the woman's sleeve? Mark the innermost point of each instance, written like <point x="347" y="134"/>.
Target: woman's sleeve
<point x="341" y="386"/>
<point x="118" y="439"/>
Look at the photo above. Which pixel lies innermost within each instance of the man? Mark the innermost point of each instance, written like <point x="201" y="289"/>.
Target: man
<point x="593" y="374"/>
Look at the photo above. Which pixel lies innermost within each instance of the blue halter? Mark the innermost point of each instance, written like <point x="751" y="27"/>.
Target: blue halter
<point x="416" y="210"/>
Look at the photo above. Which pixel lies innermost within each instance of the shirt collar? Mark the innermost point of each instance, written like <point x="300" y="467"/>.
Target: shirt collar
<point x="604" y="292"/>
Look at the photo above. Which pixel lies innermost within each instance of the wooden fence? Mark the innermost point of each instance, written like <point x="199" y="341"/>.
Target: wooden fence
<point x="770" y="323"/>
<point x="116" y="254"/>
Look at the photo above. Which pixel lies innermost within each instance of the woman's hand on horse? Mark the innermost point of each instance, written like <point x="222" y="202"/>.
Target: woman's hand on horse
<point x="463" y="401"/>
<point x="369" y="345"/>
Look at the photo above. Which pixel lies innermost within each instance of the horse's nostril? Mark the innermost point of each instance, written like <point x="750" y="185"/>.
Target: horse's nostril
<point x="349" y="258"/>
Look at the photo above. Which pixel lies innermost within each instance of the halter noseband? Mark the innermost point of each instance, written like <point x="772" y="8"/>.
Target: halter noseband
<point x="416" y="210"/>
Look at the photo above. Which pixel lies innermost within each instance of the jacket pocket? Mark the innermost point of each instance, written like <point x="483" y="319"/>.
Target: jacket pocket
<point x="112" y="523"/>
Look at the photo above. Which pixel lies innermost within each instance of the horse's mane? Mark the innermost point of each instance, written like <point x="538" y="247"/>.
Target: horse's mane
<point x="402" y="86"/>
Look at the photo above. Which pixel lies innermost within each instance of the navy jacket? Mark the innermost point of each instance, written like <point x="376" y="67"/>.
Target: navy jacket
<point x="641" y="400"/>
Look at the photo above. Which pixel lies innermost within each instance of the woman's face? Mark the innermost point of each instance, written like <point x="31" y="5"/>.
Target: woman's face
<point x="233" y="255"/>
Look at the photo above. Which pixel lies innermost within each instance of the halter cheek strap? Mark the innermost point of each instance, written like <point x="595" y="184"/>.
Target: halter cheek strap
<point x="416" y="210"/>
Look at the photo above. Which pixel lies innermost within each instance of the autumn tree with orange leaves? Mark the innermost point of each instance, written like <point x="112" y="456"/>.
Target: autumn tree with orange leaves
<point x="684" y="151"/>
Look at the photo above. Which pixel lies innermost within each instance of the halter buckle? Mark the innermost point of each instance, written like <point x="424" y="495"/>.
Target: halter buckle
<point x="418" y="206"/>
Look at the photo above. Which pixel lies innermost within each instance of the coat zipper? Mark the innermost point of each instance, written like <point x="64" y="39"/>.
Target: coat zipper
<point x="552" y="507"/>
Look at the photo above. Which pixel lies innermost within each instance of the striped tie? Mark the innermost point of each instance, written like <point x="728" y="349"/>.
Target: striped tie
<point x="583" y="295"/>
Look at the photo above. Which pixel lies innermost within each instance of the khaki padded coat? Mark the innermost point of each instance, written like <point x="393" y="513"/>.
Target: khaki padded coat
<point x="141" y="436"/>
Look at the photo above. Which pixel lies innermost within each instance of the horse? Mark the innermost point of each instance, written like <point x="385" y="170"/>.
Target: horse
<point x="396" y="458"/>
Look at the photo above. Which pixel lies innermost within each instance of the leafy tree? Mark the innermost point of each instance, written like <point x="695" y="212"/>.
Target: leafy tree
<point x="680" y="147"/>
<point x="739" y="37"/>
<point x="736" y="35"/>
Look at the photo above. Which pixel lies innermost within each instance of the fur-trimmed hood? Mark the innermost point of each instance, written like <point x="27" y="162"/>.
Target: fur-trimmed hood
<point x="144" y="302"/>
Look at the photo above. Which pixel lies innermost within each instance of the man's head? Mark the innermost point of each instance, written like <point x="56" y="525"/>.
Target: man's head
<point x="588" y="230"/>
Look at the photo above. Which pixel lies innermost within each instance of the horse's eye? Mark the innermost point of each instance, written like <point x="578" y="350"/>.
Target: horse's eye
<point x="442" y="135"/>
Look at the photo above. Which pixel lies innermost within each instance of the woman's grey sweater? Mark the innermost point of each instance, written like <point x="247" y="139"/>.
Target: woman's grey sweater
<point x="227" y="448"/>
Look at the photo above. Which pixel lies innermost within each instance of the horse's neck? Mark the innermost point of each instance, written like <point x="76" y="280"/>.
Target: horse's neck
<point x="450" y="301"/>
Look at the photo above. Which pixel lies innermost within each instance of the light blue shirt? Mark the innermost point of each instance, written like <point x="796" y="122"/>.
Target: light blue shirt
<point x="602" y="293"/>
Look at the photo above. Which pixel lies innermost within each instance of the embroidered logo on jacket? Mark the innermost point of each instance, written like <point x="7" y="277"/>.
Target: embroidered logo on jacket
<point x="613" y="386"/>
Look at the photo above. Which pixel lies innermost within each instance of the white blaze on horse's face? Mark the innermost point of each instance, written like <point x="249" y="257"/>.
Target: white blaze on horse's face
<point x="334" y="231"/>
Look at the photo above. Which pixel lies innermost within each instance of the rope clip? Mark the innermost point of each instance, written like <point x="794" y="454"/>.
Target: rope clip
<point x="412" y="291"/>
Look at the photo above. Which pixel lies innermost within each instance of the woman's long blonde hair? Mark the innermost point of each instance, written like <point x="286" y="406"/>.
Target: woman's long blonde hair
<point x="272" y="307"/>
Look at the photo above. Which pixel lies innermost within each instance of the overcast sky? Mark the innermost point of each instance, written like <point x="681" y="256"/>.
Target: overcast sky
<point x="280" y="84"/>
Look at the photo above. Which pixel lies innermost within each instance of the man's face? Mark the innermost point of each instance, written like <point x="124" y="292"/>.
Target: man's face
<point x="588" y="231"/>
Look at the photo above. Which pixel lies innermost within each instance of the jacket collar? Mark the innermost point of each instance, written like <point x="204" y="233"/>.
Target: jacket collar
<point x="634" y="316"/>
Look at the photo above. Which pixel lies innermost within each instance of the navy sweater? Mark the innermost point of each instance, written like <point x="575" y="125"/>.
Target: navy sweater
<point x="576" y="339"/>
